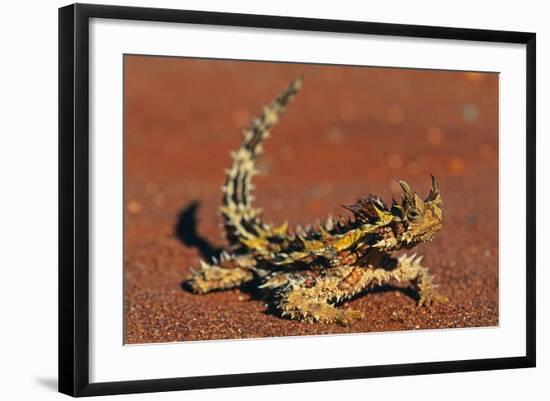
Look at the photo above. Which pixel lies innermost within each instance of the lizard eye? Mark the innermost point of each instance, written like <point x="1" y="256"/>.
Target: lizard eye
<point x="413" y="214"/>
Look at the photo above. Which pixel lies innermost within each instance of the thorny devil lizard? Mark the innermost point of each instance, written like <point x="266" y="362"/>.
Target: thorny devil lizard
<point x="306" y="273"/>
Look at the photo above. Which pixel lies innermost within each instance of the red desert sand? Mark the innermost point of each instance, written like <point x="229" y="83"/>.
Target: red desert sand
<point x="348" y="133"/>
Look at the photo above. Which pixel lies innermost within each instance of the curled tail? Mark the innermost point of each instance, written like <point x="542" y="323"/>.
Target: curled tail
<point x="242" y="222"/>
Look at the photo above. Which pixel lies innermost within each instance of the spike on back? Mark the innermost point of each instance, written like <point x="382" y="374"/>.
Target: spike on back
<point x="368" y="209"/>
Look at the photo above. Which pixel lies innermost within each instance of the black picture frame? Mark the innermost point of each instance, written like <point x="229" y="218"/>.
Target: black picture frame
<point x="74" y="198"/>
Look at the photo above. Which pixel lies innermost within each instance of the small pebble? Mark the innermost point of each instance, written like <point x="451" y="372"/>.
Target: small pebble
<point x="335" y="135"/>
<point x="475" y="76"/>
<point x="456" y="165"/>
<point x="470" y="113"/>
<point x="133" y="207"/>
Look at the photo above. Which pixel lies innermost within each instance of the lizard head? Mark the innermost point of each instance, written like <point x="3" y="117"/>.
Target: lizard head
<point x="417" y="220"/>
<point x="405" y="224"/>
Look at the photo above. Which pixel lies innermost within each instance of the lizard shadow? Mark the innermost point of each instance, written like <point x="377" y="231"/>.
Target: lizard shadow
<point x="186" y="230"/>
<point x="407" y="291"/>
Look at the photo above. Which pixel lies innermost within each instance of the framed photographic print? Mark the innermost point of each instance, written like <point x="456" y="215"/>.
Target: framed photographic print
<point x="250" y="199"/>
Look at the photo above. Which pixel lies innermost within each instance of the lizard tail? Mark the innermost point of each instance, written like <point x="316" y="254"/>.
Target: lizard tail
<point x="242" y="222"/>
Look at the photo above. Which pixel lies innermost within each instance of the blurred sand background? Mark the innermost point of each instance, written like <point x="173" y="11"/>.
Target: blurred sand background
<point x="348" y="133"/>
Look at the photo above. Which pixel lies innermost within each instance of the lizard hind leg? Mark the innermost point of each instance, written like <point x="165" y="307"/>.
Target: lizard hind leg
<point x="213" y="277"/>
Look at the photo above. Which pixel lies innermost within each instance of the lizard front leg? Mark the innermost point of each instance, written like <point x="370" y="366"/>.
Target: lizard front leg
<point x="409" y="269"/>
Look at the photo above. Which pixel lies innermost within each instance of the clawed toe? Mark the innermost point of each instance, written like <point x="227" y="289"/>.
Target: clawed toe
<point x="428" y="300"/>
